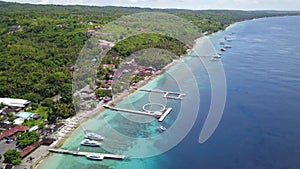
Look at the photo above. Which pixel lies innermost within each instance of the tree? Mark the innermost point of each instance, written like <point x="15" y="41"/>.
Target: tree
<point x="2" y="105"/>
<point x="28" y="138"/>
<point x="12" y="157"/>
<point x="51" y="117"/>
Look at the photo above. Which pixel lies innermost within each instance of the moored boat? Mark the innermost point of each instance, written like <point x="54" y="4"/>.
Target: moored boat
<point x="227" y="46"/>
<point x="93" y="136"/>
<point x="217" y="56"/>
<point x="162" y="128"/>
<point x="214" y="59"/>
<point x="87" y="142"/>
<point x="95" y="156"/>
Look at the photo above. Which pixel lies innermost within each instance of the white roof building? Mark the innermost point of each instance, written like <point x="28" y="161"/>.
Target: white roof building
<point x="14" y="102"/>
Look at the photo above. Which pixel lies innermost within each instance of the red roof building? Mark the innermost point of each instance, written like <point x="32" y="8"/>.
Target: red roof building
<point x="30" y="148"/>
<point x="14" y="130"/>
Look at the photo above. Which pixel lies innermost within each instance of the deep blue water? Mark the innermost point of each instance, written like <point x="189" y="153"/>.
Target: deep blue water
<point x="260" y="124"/>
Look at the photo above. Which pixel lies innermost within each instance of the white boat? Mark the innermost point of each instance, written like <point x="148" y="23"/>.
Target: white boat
<point x="227" y="46"/>
<point x="95" y="156"/>
<point x="93" y="136"/>
<point x="217" y="56"/>
<point x="162" y="128"/>
<point x="223" y="49"/>
<point x="87" y="142"/>
<point x="214" y="59"/>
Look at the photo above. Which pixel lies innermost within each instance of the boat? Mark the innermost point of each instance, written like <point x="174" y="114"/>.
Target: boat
<point x="227" y="46"/>
<point x="93" y="136"/>
<point x="214" y="59"/>
<point x="162" y="128"/>
<point x="95" y="156"/>
<point x="217" y="56"/>
<point x="87" y="142"/>
<point x="223" y="49"/>
<point x="227" y="39"/>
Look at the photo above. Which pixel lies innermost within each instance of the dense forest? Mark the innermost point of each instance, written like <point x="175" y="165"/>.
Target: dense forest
<point x="38" y="44"/>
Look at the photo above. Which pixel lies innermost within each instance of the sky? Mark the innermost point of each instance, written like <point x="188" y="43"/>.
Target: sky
<point x="181" y="4"/>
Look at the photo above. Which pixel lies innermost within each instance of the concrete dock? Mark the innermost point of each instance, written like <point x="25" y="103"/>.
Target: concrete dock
<point x="164" y="115"/>
<point x="80" y="153"/>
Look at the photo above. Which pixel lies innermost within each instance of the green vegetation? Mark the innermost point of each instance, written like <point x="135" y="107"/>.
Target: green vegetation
<point x="103" y="93"/>
<point x="38" y="42"/>
<point x="28" y="138"/>
<point x="12" y="157"/>
<point x="148" y="40"/>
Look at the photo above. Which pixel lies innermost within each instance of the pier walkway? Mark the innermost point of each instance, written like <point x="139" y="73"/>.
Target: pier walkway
<point x="157" y="114"/>
<point x="167" y="94"/>
<point x="80" y="153"/>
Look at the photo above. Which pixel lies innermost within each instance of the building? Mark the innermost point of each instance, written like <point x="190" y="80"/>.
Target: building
<point x="14" y="102"/>
<point x="27" y="115"/>
<point x="14" y="130"/>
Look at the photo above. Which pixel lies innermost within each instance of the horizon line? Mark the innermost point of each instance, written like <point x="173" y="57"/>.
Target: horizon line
<point x="154" y="8"/>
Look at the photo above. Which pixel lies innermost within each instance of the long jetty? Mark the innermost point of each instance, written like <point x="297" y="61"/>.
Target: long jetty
<point x="159" y="115"/>
<point x="153" y="114"/>
<point x="179" y="95"/>
<point x="81" y="153"/>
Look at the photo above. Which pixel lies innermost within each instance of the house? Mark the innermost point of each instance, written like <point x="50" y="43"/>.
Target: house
<point x="14" y="28"/>
<point x="96" y="28"/>
<point x="30" y="148"/>
<point x="18" y="121"/>
<point x="25" y="115"/>
<point x="90" y="32"/>
<point x="145" y="72"/>
<point x="187" y="46"/>
<point x="110" y="66"/>
<point x="14" y="102"/>
<point x="10" y="110"/>
<point x="61" y="25"/>
<point x="70" y="67"/>
<point x="14" y="130"/>
<point x="34" y="128"/>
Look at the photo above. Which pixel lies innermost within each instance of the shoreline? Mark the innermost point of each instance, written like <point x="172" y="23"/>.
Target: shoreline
<point x="87" y="115"/>
<point x="92" y="113"/>
<point x="122" y="96"/>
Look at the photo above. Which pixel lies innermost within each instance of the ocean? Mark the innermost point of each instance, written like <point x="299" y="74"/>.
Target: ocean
<point x="259" y="127"/>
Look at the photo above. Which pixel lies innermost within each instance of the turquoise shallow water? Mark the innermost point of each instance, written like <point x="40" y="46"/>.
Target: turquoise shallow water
<point x="260" y="124"/>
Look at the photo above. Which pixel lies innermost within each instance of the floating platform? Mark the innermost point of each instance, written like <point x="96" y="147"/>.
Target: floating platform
<point x="80" y="153"/>
<point x="178" y="95"/>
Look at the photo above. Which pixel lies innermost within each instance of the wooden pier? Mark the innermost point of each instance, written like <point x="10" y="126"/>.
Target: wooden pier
<point x="179" y="96"/>
<point x="80" y="153"/>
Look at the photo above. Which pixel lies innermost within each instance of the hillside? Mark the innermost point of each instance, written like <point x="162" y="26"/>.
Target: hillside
<point x="38" y="43"/>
